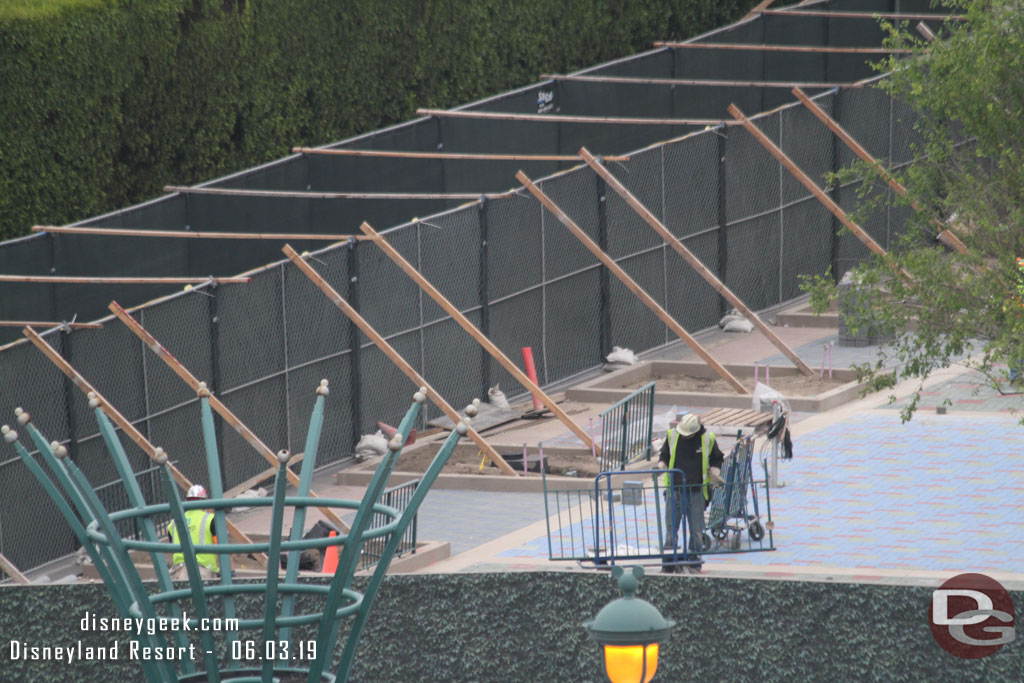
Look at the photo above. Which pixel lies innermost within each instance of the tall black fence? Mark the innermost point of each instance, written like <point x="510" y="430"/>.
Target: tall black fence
<point x="506" y="263"/>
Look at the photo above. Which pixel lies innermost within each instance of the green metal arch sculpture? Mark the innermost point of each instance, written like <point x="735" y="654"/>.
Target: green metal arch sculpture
<point x="96" y="529"/>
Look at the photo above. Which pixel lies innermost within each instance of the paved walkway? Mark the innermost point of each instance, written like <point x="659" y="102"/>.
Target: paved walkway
<point x="867" y="498"/>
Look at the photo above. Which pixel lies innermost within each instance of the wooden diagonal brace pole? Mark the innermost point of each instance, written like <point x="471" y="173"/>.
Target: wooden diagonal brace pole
<point x="690" y="258"/>
<point x="12" y="571"/>
<point x="631" y="284"/>
<point x="763" y="5"/>
<point x="806" y="181"/>
<point x="395" y="357"/>
<point x="181" y="371"/>
<point x="945" y="236"/>
<point x="120" y="420"/>
<point x="479" y="336"/>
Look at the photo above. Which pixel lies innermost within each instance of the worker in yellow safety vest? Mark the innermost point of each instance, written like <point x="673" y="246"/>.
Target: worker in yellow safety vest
<point x="692" y="450"/>
<point x="201" y="531"/>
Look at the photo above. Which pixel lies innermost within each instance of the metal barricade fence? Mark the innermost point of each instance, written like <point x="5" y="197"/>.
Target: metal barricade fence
<point x="626" y="429"/>
<point x="397" y="497"/>
<point x="622" y="517"/>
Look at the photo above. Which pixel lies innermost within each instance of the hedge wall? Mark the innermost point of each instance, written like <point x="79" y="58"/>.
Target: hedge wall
<point x="103" y="102"/>
<point x="526" y="627"/>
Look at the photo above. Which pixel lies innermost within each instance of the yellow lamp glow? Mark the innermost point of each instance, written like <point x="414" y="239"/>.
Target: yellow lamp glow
<point x="631" y="663"/>
<point x="628" y="631"/>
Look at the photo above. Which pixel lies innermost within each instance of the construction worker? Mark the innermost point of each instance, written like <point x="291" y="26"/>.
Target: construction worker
<point x="691" y="448"/>
<point x="201" y="531"/>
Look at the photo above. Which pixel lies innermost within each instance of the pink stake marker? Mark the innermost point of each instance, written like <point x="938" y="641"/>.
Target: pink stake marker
<point x="540" y="452"/>
<point x="830" y="361"/>
<point x="524" y="459"/>
<point x="767" y="375"/>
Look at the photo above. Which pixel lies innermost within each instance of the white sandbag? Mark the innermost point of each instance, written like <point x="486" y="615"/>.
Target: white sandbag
<point x="733" y="314"/>
<point x="741" y="325"/>
<point x="496" y="397"/>
<point x="621" y="356"/>
<point x="250" y="493"/>
<point x="371" y="445"/>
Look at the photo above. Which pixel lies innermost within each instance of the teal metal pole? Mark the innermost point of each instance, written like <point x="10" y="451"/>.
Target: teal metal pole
<point x="118" y="552"/>
<point x="440" y="460"/>
<point x="316" y="423"/>
<point x="220" y="525"/>
<point x="327" y="632"/>
<point x="135" y="497"/>
<point x="273" y="567"/>
<point x="195" y="582"/>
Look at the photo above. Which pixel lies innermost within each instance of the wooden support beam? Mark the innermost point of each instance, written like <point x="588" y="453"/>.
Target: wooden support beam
<point x="13" y="571"/>
<point x="630" y="80"/>
<point x="81" y="280"/>
<point x="690" y="258"/>
<point x="196" y="235"/>
<point x="631" y="284"/>
<point x="805" y="180"/>
<point x="945" y="235"/>
<point x="120" y="420"/>
<point x="926" y="32"/>
<point x="48" y="324"/>
<point x="258" y="479"/>
<point x="757" y="9"/>
<point x="286" y="194"/>
<point x="453" y="156"/>
<point x="786" y="48"/>
<point x="396" y="358"/>
<point x="229" y="417"/>
<point x="480" y="338"/>
<point x="827" y="14"/>
<point x="559" y="118"/>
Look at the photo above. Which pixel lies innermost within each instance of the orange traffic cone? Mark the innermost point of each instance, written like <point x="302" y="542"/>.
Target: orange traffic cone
<point x="330" y="557"/>
<point x="389" y="433"/>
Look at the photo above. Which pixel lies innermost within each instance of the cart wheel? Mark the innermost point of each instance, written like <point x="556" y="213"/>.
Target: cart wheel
<point x="756" y="531"/>
<point x="734" y="542"/>
<point x="707" y="541"/>
<point x="720" y="533"/>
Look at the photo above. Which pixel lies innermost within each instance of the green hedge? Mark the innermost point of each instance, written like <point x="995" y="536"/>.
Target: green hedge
<point x="103" y="102"/>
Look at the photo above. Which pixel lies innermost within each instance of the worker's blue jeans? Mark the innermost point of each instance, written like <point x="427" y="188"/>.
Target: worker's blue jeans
<point x="694" y="515"/>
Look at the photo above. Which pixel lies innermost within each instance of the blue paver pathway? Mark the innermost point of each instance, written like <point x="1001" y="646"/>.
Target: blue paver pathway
<point x="938" y="493"/>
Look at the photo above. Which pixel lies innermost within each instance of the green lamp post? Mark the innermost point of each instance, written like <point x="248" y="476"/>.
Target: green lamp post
<point x="629" y="630"/>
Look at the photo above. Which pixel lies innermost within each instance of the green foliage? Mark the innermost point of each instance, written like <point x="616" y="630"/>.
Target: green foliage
<point x="944" y="307"/>
<point x="104" y="102"/>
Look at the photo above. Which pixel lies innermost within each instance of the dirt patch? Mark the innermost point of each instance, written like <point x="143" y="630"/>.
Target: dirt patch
<point x="788" y="385"/>
<point x="464" y="461"/>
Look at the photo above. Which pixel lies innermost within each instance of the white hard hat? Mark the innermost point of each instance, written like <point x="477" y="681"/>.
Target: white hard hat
<point x="689" y="424"/>
<point x="196" y="492"/>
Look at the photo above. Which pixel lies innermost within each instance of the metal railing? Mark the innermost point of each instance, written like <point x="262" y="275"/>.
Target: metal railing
<point x="396" y="497"/>
<point x="626" y="429"/>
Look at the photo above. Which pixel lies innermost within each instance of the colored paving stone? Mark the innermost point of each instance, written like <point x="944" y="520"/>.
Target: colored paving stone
<point x="864" y="494"/>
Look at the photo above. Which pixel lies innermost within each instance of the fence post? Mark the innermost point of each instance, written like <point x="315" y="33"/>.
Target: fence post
<point x="353" y="298"/>
<point x="723" y="242"/>
<point x="485" y="318"/>
<point x="214" y="312"/>
<point x="605" y="277"/>
<point x="65" y="352"/>
<point x="287" y="380"/>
